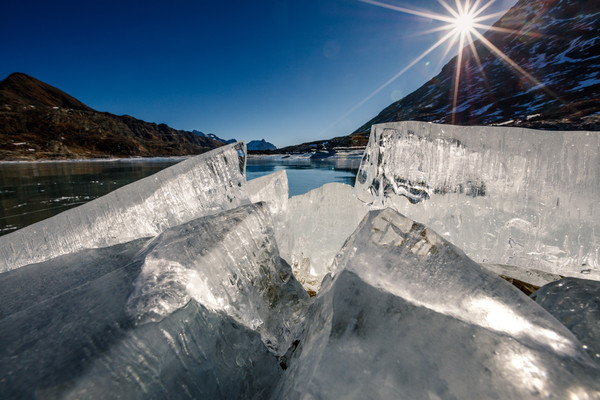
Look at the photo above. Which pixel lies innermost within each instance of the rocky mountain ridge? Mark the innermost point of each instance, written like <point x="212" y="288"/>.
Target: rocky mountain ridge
<point x="254" y="145"/>
<point x="39" y="121"/>
<point x="555" y="41"/>
<point x="214" y="137"/>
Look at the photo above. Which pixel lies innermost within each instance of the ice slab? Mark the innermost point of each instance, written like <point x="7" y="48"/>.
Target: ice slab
<point x="29" y="285"/>
<point x="504" y="195"/>
<point x="408" y="315"/>
<point x="203" y="310"/>
<point x="227" y="262"/>
<point x="202" y="185"/>
<point x="82" y="344"/>
<point x="314" y="228"/>
<point x="272" y="189"/>
<point x="530" y="276"/>
<point x="575" y="303"/>
<point x="192" y="354"/>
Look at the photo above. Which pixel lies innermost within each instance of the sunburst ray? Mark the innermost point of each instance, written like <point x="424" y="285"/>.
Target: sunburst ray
<point x="396" y="76"/>
<point x="457" y="76"/>
<point x="462" y="22"/>
<point x="423" y="14"/>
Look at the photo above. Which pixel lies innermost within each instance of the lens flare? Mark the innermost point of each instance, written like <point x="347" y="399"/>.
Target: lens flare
<point x="463" y="23"/>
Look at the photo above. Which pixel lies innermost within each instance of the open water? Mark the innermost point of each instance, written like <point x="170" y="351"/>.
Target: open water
<point x="33" y="191"/>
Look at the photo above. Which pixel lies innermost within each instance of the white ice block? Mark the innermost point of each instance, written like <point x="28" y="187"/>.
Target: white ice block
<point x="202" y="185"/>
<point x="228" y="263"/>
<point x="504" y="195"/>
<point x="409" y="315"/>
<point x="203" y="310"/>
<point x="273" y="189"/>
<point x="314" y="228"/>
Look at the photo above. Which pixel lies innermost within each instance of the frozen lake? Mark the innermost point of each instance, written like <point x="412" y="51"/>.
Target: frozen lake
<point x="33" y="191"/>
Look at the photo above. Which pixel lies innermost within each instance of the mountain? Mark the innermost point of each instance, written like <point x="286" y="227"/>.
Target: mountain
<point x="253" y="145"/>
<point x="22" y="90"/>
<point x="555" y="41"/>
<point x="260" y="145"/>
<point x="214" y="137"/>
<point x="39" y="121"/>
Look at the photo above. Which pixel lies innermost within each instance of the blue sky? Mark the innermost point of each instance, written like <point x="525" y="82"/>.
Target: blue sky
<point x="285" y="71"/>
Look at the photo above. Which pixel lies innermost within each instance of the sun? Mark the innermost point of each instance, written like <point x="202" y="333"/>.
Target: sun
<point x="462" y="25"/>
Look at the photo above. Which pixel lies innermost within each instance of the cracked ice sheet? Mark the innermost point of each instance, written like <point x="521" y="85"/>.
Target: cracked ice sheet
<point x="504" y="195"/>
<point x="315" y="227"/>
<point x="409" y="315"/>
<point x="202" y="185"/>
<point x="273" y="189"/>
<point x="202" y="310"/>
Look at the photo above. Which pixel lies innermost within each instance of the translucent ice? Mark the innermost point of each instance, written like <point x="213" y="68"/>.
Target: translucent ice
<point x="531" y="276"/>
<point x="314" y="229"/>
<point x="25" y="287"/>
<point x="202" y="185"/>
<point x="575" y="303"/>
<point x="203" y="310"/>
<point x="227" y="262"/>
<point x="192" y="298"/>
<point x="503" y="195"/>
<point x="272" y="189"/>
<point x="408" y="315"/>
<point x="192" y="354"/>
<point x="310" y="228"/>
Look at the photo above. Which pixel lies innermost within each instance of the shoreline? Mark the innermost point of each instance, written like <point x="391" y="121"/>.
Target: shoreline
<point x="341" y="154"/>
<point x="114" y="159"/>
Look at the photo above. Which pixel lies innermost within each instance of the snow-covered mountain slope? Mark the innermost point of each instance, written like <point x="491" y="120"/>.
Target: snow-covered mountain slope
<point x="260" y="145"/>
<point x="214" y="137"/>
<point x="555" y="42"/>
<point x="252" y="145"/>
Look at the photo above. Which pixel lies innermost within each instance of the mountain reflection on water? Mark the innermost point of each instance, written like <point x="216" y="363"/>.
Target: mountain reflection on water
<point x="33" y="191"/>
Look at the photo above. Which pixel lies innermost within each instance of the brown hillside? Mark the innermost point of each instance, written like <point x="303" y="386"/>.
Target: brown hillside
<point x="39" y="121"/>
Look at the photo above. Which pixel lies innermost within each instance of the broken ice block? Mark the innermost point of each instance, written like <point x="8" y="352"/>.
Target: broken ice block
<point x="504" y="195"/>
<point x="408" y="315"/>
<point x="192" y="354"/>
<point x="272" y="189"/>
<point x="314" y="228"/>
<point x="529" y="276"/>
<point x="200" y="311"/>
<point x="202" y="185"/>
<point x="227" y="262"/>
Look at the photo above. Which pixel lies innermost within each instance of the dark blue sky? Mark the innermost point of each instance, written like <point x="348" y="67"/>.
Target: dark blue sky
<point x="285" y="71"/>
